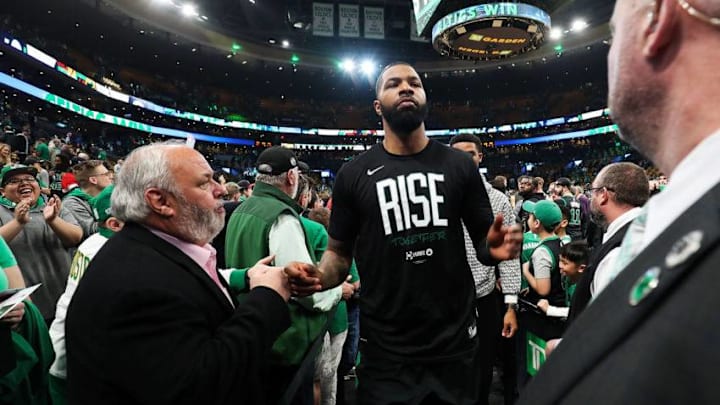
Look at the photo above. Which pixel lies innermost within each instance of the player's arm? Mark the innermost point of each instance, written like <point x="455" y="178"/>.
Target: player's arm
<point x="343" y="229"/>
<point x="335" y="263"/>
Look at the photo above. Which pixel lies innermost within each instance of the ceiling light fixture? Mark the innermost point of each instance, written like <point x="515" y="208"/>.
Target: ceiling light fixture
<point x="189" y="10"/>
<point x="579" y="25"/>
<point x="348" y="65"/>
<point x="368" y="67"/>
<point x="556" y="33"/>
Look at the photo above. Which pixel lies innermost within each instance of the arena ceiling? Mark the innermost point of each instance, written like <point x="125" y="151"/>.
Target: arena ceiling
<point x="275" y="30"/>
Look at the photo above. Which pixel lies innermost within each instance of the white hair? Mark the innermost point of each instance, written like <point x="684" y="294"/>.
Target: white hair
<point x="146" y="167"/>
<point x="279" y="181"/>
<point x="274" y="180"/>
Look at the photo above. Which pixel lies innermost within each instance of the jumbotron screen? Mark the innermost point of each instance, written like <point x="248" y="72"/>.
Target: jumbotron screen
<point x="487" y="31"/>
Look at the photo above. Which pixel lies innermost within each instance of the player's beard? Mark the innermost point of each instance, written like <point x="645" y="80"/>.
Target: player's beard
<point x="199" y="225"/>
<point x="404" y="122"/>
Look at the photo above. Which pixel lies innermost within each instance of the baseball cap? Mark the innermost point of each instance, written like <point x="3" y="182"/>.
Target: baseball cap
<point x="31" y="160"/>
<point x="8" y="172"/>
<point x="100" y="205"/>
<point x="243" y="184"/>
<point x="304" y="167"/>
<point x="276" y="160"/>
<point x="563" y="181"/>
<point x="546" y="211"/>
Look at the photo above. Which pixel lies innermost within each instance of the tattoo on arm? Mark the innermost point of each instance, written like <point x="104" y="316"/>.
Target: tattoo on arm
<point x="335" y="262"/>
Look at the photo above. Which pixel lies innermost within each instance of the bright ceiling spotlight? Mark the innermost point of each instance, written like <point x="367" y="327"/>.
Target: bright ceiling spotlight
<point x="579" y="25"/>
<point x="189" y="10"/>
<point x="368" y="67"/>
<point x="348" y="65"/>
<point x="556" y="33"/>
<point x="285" y="43"/>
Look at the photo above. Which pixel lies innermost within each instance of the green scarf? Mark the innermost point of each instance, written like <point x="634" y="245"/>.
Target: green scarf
<point x="77" y="192"/>
<point x="11" y="205"/>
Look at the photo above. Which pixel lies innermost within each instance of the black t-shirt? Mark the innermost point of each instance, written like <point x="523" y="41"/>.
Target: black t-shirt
<point x="404" y="214"/>
<point x="56" y="184"/>
<point x="575" y="222"/>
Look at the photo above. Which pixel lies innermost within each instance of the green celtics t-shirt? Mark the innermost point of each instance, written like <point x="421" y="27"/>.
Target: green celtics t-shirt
<point x="7" y="259"/>
<point x="530" y="242"/>
<point x="569" y="290"/>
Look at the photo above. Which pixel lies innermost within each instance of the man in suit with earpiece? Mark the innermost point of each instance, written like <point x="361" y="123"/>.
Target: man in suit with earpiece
<point x="651" y="336"/>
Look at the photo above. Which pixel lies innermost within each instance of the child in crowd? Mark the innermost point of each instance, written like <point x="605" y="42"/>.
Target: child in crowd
<point x="542" y="274"/>
<point x="561" y="230"/>
<point x="573" y="261"/>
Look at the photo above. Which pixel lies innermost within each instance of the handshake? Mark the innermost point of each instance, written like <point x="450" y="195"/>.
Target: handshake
<point x="295" y="279"/>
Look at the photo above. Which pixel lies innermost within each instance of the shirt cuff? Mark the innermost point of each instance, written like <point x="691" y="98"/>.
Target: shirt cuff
<point x="559" y="312"/>
<point x="511" y="298"/>
<point x="238" y="281"/>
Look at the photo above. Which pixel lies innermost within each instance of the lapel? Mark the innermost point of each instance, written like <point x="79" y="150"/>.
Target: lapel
<point x="144" y="236"/>
<point x="581" y="297"/>
<point x="610" y="318"/>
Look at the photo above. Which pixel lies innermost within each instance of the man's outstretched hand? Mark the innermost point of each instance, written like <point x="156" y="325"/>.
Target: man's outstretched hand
<point x="504" y="242"/>
<point x="262" y="274"/>
<point x="304" y="278"/>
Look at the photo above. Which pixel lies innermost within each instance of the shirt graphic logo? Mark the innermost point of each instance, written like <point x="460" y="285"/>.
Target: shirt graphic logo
<point x="375" y="170"/>
<point x="418" y="254"/>
<point x="399" y="197"/>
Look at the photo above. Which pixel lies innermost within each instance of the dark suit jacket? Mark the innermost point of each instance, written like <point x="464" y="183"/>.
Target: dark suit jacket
<point x="581" y="296"/>
<point x="148" y="326"/>
<point x="665" y="349"/>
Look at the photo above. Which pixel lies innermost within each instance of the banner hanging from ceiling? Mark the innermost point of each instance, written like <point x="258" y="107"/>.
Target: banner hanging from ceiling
<point x="323" y="20"/>
<point x="374" y="22"/>
<point x="414" y="36"/>
<point x="349" y="20"/>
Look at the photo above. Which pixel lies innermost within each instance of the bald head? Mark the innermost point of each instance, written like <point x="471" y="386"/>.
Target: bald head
<point x="380" y="78"/>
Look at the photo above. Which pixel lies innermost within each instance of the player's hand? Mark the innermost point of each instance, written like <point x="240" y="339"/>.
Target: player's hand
<point x="543" y="305"/>
<point x="510" y="324"/>
<point x="504" y="242"/>
<point x="304" y="278"/>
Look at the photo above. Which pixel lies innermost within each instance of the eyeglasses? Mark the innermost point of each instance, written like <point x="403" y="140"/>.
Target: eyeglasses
<point x="21" y="180"/>
<point x="698" y="14"/>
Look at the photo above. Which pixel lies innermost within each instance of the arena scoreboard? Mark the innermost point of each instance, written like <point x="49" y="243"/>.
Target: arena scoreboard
<point x="486" y="31"/>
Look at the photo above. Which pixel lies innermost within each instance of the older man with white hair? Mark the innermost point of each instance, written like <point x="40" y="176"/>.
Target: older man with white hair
<point x="152" y="322"/>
